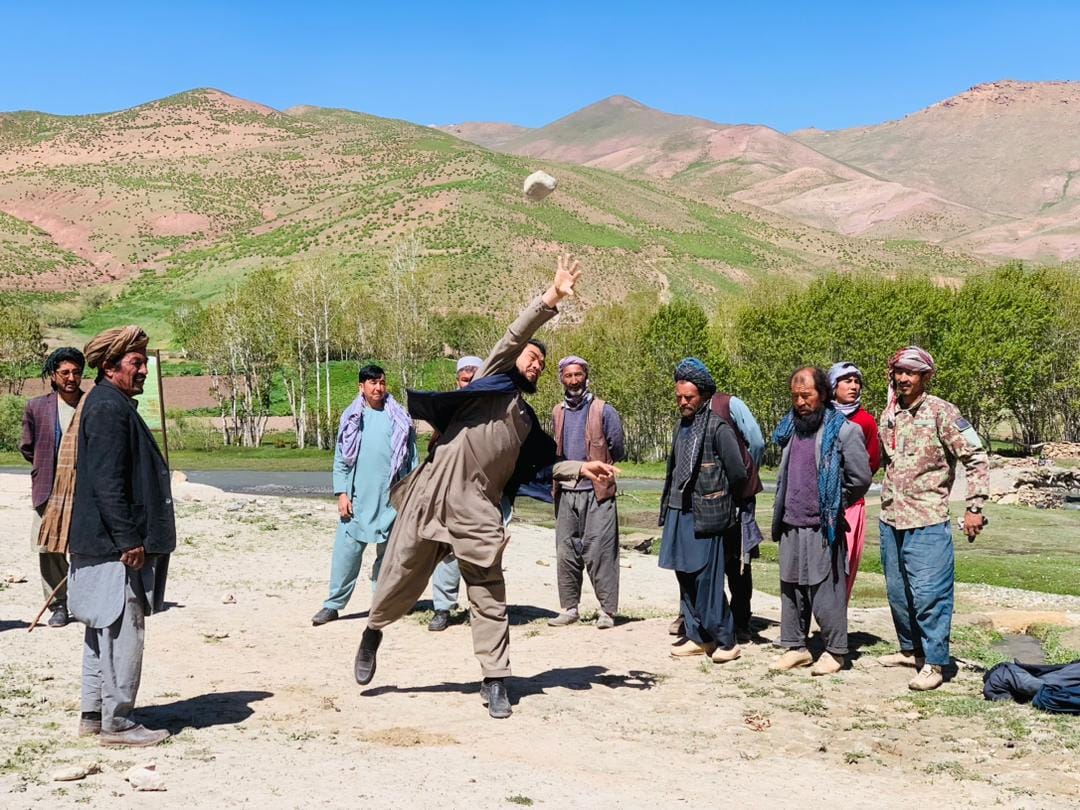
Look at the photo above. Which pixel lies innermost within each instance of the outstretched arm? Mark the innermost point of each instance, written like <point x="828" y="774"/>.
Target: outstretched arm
<point x="538" y="312"/>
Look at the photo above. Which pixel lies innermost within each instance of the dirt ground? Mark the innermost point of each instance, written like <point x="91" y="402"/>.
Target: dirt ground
<point x="265" y="712"/>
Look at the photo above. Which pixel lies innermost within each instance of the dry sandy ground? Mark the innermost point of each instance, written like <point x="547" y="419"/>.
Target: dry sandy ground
<point x="265" y="712"/>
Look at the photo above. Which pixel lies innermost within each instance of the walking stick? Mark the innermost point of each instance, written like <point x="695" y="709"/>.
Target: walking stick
<point x="45" y="607"/>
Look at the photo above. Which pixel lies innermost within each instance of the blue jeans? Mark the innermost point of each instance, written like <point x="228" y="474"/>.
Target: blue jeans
<point x="919" y="568"/>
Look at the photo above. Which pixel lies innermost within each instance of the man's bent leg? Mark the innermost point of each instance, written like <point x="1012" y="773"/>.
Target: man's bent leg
<point x="486" y="590"/>
<point x="407" y="565"/>
<point x="929" y="562"/>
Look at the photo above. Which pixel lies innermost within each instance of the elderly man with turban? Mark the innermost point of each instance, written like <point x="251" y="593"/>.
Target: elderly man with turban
<point x="46" y="421"/>
<point x="922" y="438"/>
<point x="122" y="537"/>
<point x="697" y="507"/>
<point x="586" y="428"/>
<point x="846" y="383"/>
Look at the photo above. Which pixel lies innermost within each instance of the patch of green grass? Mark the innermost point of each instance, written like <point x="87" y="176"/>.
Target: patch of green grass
<point x="977" y="645"/>
<point x="810" y="706"/>
<point x="1056" y="651"/>
<point x="517" y="798"/>
<point x="955" y="770"/>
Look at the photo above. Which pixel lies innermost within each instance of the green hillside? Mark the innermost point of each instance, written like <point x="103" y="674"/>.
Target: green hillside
<point x="178" y="199"/>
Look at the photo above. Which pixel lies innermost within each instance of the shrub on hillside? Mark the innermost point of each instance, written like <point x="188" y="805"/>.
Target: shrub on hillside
<point x="11" y="413"/>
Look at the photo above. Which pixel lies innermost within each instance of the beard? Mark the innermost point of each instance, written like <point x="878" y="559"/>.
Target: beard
<point x="808" y="425"/>
<point x="521" y="381"/>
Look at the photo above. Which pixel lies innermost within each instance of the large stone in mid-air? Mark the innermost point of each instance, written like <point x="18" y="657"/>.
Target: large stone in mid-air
<point x="538" y="185"/>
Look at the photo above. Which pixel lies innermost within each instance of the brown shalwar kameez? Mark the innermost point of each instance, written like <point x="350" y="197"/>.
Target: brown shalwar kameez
<point x="451" y="502"/>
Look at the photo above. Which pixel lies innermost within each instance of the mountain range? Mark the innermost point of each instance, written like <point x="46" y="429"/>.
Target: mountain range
<point x="992" y="171"/>
<point x="176" y="199"/>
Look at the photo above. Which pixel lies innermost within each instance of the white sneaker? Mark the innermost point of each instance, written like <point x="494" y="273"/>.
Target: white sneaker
<point x="929" y="677"/>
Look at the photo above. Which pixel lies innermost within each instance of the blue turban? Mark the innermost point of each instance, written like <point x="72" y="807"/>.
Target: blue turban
<point x="692" y="370"/>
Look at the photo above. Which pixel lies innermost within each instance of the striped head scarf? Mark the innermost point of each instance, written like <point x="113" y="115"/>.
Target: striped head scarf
<point x="910" y="358"/>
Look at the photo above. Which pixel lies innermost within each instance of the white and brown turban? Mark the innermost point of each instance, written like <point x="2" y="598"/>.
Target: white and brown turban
<point x="112" y="344"/>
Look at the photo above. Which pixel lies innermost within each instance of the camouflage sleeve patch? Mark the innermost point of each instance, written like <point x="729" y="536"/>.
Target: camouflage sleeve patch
<point x="968" y="432"/>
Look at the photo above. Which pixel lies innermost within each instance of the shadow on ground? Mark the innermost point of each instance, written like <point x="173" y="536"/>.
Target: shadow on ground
<point x="575" y="678"/>
<point x="202" y="711"/>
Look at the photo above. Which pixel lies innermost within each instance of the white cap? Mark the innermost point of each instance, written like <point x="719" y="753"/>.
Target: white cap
<point x="469" y="362"/>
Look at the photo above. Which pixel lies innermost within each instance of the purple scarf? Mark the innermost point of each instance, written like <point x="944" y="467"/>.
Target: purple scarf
<point x="351" y="428"/>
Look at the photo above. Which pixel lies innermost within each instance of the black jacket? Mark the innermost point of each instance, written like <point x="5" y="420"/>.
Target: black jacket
<point x="718" y="472"/>
<point x="123" y="497"/>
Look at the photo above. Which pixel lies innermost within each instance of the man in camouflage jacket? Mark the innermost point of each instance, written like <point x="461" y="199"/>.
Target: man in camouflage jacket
<point x="922" y="437"/>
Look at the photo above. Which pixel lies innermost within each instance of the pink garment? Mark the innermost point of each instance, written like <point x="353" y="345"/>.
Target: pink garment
<point x="855" y="518"/>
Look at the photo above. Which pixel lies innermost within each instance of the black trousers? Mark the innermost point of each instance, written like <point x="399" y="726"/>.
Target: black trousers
<point x="741" y="585"/>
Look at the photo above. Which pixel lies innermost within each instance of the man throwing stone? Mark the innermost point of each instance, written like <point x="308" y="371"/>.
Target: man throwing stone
<point x="121" y="538"/>
<point x="922" y="438"/>
<point x="490" y="442"/>
<point x="587" y="520"/>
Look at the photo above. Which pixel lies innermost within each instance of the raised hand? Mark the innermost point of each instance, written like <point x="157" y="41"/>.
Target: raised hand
<point x="567" y="272"/>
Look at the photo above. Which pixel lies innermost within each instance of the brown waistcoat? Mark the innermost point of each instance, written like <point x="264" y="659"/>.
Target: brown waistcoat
<point x="595" y="442"/>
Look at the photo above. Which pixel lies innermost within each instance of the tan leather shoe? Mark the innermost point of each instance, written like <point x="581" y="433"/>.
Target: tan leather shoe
<point x="136" y="736"/>
<point x="929" y="677"/>
<point x="902" y="659"/>
<point x="792" y="659"/>
<point x="827" y="664"/>
<point x="722" y="656"/>
<point x="692" y="648"/>
<point x="564" y="619"/>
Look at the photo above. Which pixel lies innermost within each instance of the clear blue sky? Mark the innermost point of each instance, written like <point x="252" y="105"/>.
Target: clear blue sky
<point x="788" y="65"/>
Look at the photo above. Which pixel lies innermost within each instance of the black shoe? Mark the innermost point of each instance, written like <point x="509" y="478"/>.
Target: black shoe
<point x="59" y="617"/>
<point x="364" y="665"/>
<point x="323" y="616"/>
<point x="440" y="621"/>
<point x="743" y="635"/>
<point x="494" y="696"/>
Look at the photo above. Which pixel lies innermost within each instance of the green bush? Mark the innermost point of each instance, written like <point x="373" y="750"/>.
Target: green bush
<point x="11" y="413"/>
